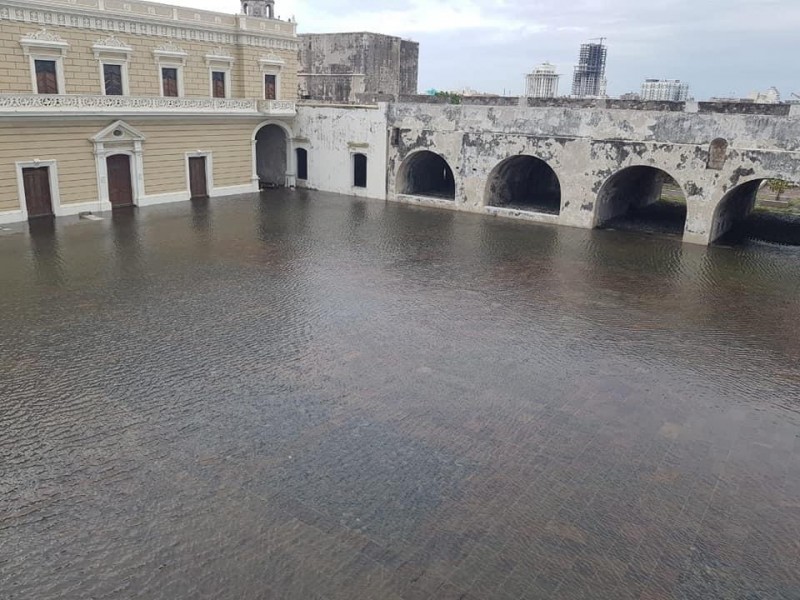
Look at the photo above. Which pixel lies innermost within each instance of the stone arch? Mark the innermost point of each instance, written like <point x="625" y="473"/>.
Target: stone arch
<point x="524" y="182"/>
<point x="273" y="156"/>
<point x="634" y="198"/>
<point x="737" y="206"/>
<point x="717" y="154"/>
<point x="426" y="173"/>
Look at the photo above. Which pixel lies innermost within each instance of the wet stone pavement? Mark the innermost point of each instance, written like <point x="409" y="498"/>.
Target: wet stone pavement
<point x="308" y="396"/>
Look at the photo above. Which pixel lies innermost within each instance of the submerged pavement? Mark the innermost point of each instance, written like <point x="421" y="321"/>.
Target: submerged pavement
<point x="302" y="395"/>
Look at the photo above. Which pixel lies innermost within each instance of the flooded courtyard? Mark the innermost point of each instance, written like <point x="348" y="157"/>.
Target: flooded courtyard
<point x="303" y="395"/>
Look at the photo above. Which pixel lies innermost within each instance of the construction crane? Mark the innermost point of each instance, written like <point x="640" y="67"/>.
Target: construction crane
<point x="795" y="95"/>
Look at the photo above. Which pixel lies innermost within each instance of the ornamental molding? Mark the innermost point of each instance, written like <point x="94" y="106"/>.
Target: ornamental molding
<point x="118" y="131"/>
<point x="271" y="60"/>
<point x="60" y="105"/>
<point x="74" y="16"/>
<point x="111" y="45"/>
<point x="219" y="56"/>
<point x="43" y="39"/>
<point x="171" y="49"/>
<point x="112" y="41"/>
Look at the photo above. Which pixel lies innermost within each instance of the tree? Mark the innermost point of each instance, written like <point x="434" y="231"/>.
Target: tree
<point x="778" y="186"/>
<point x="452" y="97"/>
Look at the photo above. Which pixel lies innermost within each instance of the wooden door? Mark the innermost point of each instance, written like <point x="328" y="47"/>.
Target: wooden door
<point x="120" y="189"/>
<point x="38" y="199"/>
<point x="198" y="186"/>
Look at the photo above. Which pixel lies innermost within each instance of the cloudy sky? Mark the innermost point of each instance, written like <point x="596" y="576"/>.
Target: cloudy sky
<point x="721" y="47"/>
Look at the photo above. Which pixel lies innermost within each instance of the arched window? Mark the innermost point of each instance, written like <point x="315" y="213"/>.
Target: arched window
<point x="359" y="170"/>
<point x="302" y="163"/>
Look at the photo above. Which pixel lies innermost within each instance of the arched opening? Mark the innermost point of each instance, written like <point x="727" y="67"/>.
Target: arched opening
<point x="642" y="199"/>
<point x="271" y="143"/>
<point x="359" y="170"/>
<point x="763" y="209"/>
<point x="524" y="183"/>
<point x="426" y="174"/>
<point x="302" y="163"/>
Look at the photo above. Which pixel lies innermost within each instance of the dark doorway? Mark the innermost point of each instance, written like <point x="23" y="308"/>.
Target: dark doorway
<point x="524" y="183"/>
<point x="359" y="170"/>
<point x="198" y="184"/>
<point x="120" y="188"/>
<point x="426" y="174"/>
<point x="271" y="142"/>
<point x="38" y="197"/>
<point x="642" y="198"/>
<point x="302" y="163"/>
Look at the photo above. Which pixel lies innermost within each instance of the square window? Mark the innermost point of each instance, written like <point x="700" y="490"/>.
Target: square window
<point x="112" y="80"/>
<point x="46" y="77"/>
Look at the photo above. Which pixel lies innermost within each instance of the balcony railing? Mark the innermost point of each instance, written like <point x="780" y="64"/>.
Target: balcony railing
<point x="41" y="104"/>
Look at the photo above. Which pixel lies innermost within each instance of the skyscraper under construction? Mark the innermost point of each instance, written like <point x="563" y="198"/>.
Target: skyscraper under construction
<point x="590" y="73"/>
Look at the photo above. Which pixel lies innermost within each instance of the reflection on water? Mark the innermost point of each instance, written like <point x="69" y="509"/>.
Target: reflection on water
<point x="306" y="395"/>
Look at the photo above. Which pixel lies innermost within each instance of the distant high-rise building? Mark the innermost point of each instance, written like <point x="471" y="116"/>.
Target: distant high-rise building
<point x="665" y="90"/>
<point x="589" y="80"/>
<point x="543" y="82"/>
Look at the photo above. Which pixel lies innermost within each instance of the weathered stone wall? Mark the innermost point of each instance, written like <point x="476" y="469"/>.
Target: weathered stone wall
<point x="373" y="63"/>
<point x="332" y="135"/>
<point x="587" y="146"/>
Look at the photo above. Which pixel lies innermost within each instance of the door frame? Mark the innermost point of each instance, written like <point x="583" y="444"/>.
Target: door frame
<point x="107" y="143"/>
<point x="131" y="171"/>
<point x="208" y="155"/>
<point x="52" y="174"/>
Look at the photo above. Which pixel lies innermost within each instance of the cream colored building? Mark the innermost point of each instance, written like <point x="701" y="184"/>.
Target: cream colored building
<point x="114" y="102"/>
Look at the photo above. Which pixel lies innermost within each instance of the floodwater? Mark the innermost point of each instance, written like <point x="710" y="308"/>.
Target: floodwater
<point x="302" y="395"/>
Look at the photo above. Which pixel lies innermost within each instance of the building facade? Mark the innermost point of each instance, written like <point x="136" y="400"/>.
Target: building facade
<point x="338" y="67"/>
<point x="543" y="82"/>
<point x="589" y="79"/>
<point x="665" y="90"/>
<point x="107" y="103"/>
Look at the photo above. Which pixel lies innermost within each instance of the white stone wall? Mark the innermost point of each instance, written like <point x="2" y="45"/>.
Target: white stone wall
<point x="332" y="135"/>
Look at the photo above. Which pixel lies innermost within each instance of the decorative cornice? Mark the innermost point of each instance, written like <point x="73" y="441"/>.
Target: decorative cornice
<point x="43" y="39"/>
<point x="112" y="41"/>
<point x="111" y="46"/>
<point x="271" y="60"/>
<point x="44" y="36"/>
<point x="219" y="55"/>
<point x="54" y="105"/>
<point x="170" y="48"/>
<point x="112" y="22"/>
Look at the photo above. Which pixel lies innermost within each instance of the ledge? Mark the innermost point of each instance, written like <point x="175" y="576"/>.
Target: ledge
<point x="47" y="104"/>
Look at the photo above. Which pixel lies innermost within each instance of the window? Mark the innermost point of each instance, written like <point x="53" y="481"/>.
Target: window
<point x="45" y="51"/>
<point x="46" y="77"/>
<point x="302" y="164"/>
<point x="171" y="60"/>
<point x="169" y="81"/>
<point x="218" y="84"/>
<point x="112" y="55"/>
<point x="359" y="170"/>
<point x="270" y="87"/>
<point x="112" y="80"/>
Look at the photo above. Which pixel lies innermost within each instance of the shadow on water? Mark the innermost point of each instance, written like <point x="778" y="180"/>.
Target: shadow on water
<point x="128" y="250"/>
<point x="44" y="250"/>
<point x="662" y="217"/>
